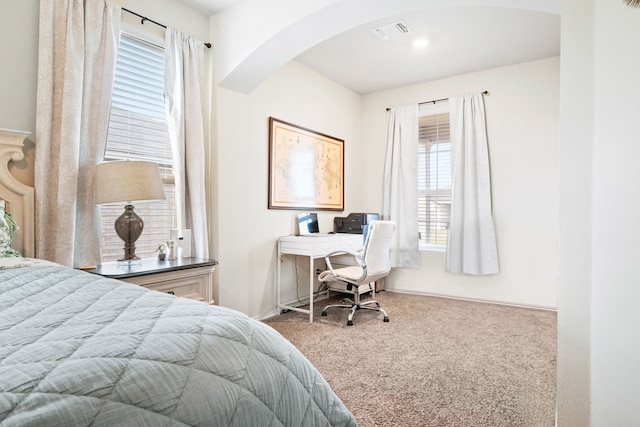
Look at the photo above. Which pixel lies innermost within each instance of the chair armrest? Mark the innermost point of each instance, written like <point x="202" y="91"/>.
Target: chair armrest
<point x="335" y="253"/>
<point x="355" y="255"/>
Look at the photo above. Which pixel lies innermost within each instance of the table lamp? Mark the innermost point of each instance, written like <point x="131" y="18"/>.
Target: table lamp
<point x="127" y="182"/>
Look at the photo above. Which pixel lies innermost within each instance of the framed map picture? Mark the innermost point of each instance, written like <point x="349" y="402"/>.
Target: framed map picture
<point x="306" y="168"/>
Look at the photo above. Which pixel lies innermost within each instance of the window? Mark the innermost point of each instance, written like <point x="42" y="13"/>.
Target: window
<point x="138" y="131"/>
<point x="434" y="175"/>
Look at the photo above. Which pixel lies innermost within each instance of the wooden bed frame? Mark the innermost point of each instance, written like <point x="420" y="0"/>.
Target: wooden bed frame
<point x="19" y="197"/>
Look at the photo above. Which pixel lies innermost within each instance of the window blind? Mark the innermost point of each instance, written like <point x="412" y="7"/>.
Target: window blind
<point x="138" y="131"/>
<point x="434" y="178"/>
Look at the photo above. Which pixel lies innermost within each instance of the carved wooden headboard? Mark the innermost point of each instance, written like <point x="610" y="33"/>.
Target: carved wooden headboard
<point x="19" y="197"/>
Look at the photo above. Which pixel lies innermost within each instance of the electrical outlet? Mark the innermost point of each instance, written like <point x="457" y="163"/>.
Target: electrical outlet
<point x="318" y="271"/>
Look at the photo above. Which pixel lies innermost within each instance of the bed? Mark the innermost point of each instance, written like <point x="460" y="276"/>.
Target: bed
<point x="78" y="349"/>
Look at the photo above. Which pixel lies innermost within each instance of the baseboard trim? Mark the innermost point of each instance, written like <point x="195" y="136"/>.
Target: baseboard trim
<point x="510" y="304"/>
<point x="426" y="294"/>
<point x="266" y="316"/>
<point x="322" y="295"/>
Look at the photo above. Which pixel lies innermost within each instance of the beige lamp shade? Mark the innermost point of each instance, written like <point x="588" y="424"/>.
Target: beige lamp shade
<point x="128" y="181"/>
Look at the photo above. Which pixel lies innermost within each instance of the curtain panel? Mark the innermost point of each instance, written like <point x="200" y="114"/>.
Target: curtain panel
<point x="184" y="94"/>
<point x="471" y="248"/>
<point x="77" y="53"/>
<point x="400" y="192"/>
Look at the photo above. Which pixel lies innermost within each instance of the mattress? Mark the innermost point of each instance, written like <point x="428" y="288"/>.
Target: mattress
<point x="78" y="349"/>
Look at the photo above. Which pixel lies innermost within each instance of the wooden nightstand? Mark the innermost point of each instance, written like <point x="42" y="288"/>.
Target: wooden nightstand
<point x="186" y="277"/>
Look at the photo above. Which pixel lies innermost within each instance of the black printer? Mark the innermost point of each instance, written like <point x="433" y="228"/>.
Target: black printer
<point x="354" y="223"/>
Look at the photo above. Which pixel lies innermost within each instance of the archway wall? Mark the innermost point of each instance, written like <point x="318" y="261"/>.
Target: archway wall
<point x="254" y="38"/>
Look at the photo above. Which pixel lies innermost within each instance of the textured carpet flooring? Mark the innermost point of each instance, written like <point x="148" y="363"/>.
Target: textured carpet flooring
<point x="438" y="362"/>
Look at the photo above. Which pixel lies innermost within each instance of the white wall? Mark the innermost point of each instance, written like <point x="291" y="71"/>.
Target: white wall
<point x="598" y="371"/>
<point x="598" y="375"/>
<point x="19" y="70"/>
<point x="575" y="210"/>
<point x="19" y="56"/>
<point x="19" y="50"/>
<point x="247" y="229"/>
<point x="172" y="13"/>
<point x="522" y="125"/>
<point x="241" y="30"/>
<point x="18" y="74"/>
<point x="522" y="111"/>
<point x="615" y="354"/>
<point x="598" y="290"/>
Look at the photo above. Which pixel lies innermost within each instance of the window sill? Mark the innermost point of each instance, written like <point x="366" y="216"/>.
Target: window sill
<point x="432" y="248"/>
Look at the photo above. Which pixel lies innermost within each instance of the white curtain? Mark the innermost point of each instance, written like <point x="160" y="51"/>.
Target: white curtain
<point x="184" y="94"/>
<point x="77" y="53"/>
<point x="400" y="197"/>
<point x="472" y="243"/>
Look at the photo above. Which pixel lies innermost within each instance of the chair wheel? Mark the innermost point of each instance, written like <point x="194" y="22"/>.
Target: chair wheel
<point x="386" y="319"/>
<point x="324" y="313"/>
<point x="349" y="323"/>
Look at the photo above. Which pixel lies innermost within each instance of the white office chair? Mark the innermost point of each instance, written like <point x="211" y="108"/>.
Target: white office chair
<point x="373" y="263"/>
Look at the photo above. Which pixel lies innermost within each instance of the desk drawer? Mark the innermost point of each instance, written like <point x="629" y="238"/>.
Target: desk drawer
<point x="319" y="246"/>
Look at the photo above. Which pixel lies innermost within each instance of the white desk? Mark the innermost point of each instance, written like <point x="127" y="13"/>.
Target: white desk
<point x="312" y="247"/>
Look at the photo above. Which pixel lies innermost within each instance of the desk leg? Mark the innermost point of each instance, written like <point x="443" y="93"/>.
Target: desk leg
<point x="311" y="274"/>
<point x="279" y="305"/>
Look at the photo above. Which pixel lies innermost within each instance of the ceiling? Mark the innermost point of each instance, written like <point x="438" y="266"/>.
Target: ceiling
<point x="461" y="40"/>
<point x="209" y="7"/>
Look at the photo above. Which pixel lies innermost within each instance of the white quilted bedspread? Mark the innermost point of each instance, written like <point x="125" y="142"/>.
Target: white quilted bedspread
<point x="80" y="350"/>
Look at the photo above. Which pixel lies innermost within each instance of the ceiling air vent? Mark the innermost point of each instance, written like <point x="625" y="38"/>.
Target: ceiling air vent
<point x="392" y="30"/>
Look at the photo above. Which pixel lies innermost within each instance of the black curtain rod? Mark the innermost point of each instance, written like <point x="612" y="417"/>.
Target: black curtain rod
<point x="438" y="100"/>
<point x="144" y="18"/>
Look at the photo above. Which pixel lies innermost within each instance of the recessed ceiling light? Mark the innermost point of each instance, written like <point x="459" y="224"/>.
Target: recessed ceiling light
<point x="420" y="43"/>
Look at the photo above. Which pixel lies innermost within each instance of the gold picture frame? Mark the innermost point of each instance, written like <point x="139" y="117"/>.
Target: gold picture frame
<point x="306" y="168"/>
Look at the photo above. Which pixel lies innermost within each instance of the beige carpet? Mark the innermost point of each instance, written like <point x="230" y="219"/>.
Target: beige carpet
<point x="438" y="362"/>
